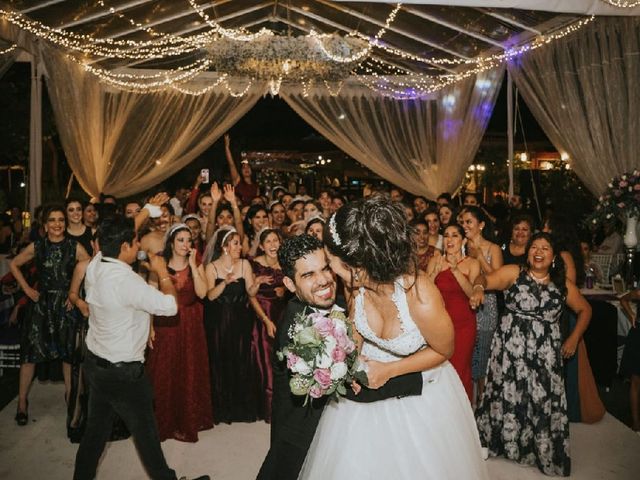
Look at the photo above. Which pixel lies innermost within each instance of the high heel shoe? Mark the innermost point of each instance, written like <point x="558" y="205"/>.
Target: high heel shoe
<point x="22" y="418"/>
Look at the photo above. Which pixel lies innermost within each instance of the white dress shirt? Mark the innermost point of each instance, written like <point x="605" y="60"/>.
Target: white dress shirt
<point x="120" y="304"/>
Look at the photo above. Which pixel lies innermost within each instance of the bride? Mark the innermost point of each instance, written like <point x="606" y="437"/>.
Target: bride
<point x="403" y="327"/>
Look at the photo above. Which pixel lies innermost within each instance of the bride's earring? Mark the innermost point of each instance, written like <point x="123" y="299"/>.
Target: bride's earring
<point x="356" y="277"/>
<point x="225" y="251"/>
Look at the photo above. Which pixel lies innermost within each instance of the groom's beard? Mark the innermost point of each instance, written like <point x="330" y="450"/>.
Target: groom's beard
<point x="314" y="301"/>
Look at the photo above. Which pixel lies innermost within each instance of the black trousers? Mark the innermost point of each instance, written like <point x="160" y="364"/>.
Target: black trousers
<point x="125" y="390"/>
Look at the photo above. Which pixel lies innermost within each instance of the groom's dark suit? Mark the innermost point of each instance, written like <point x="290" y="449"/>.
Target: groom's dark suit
<point x="292" y="424"/>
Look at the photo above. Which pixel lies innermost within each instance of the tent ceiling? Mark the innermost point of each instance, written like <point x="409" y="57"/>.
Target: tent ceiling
<point x="423" y="30"/>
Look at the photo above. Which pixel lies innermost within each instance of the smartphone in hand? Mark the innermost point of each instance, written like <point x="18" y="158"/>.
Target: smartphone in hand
<point x="204" y="173"/>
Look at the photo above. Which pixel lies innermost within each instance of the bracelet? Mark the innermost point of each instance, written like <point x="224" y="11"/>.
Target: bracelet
<point x="479" y="285"/>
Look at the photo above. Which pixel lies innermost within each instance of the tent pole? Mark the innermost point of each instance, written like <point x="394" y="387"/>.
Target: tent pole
<point x="35" y="136"/>
<point x="511" y="159"/>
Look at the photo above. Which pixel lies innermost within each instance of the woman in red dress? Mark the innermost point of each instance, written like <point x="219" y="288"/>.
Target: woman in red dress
<point x="454" y="273"/>
<point x="178" y="361"/>
<point x="269" y="303"/>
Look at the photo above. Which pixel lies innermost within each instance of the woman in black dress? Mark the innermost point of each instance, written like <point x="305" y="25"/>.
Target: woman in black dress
<point x="76" y="229"/>
<point x="49" y="324"/>
<point x="228" y="326"/>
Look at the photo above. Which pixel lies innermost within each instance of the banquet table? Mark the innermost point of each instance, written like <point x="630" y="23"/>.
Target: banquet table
<point x="604" y="338"/>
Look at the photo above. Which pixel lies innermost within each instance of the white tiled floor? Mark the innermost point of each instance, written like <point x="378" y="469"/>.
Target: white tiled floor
<point x="607" y="450"/>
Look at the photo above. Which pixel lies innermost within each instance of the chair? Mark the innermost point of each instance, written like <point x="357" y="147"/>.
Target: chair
<point x="608" y="263"/>
<point x="9" y="349"/>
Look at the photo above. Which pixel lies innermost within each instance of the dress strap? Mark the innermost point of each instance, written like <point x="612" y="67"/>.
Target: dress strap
<point x="399" y="298"/>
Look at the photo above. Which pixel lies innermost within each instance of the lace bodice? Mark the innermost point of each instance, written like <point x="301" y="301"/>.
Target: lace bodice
<point x="410" y="339"/>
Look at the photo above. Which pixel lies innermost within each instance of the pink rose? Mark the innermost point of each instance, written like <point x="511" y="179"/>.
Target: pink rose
<point x="636" y="187"/>
<point x="292" y="359"/>
<point x="338" y="355"/>
<point x="315" y="392"/>
<point x="343" y="340"/>
<point x="622" y="184"/>
<point x="323" y="377"/>
<point x="324" y="325"/>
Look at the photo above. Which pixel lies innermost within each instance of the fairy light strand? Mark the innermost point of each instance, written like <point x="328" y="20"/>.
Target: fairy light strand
<point x="234" y="34"/>
<point x="8" y="49"/>
<point x="164" y="45"/>
<point x="366" y="50"/>
<point x="622" y="3"/>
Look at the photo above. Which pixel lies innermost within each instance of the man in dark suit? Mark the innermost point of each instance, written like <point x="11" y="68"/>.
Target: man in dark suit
<point x="293" y="425"/>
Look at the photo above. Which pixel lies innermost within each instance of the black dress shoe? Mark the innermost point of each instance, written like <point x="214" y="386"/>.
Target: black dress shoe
<point x="203" y="477"/>
<point x="22" y="418"/>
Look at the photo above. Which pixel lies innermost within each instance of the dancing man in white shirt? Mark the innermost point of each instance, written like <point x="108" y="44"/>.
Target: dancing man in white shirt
<point x="120" y="303"/>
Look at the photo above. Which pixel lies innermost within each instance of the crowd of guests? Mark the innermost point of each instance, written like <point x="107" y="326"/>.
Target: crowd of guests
<point x="508" y="283"/>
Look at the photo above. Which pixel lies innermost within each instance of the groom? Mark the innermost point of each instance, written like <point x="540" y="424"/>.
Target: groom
<point x="308" y="276"/>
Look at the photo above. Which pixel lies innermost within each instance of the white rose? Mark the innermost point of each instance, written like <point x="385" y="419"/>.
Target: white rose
<point x="340" y="326"/>
<point x="323" y="361"/>
<point x="329" y="344"/>
<point x="338" y="370"/>
<point x="301" y="367"/>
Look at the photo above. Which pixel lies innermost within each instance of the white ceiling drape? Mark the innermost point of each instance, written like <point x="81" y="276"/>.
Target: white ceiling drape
<point x="585" y="7"/>
<point x="583" y="91"/>
<point x="122" y="143"/>
<point x="422" y="145"/>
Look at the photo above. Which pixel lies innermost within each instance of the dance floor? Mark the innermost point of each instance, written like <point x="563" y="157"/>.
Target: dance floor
<point x="607" y="450"/>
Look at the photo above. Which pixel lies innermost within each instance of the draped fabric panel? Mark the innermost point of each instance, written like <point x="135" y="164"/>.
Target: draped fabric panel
<point x="122" y="143"/>
<point x="422" y="145"/>
<point x="584" y="92"/>
<point x="7" y="59"/>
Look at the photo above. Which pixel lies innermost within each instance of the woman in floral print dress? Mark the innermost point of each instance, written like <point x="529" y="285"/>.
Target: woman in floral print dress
<point x="523" y="412"/>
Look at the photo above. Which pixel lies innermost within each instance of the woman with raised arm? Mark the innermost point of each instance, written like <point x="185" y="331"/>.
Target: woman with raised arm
<point x="489" y="255"/>
<point x="244" y="183"/>
<point x="454" y="273"/>
<point x="225" y="210"/>
<point x="49" y="325"/>
<point x="228" y="326"/>
<point x="177" y="360"/>
<point x="522" y="414"/>
<point x="405" y="328"/>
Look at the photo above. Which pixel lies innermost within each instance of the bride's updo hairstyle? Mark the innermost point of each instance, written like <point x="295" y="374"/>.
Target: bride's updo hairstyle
<point x="372" y="234"/>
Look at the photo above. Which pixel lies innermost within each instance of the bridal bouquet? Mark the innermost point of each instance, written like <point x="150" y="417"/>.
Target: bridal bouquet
<point x="322" y="355"/>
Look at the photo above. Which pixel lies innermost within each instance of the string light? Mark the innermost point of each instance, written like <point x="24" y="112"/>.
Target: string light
<point x="234" y="34"/>
<point x="370" y="42"/>
<point x="622" y="3"/>
<point x="8" y="49"/>
<point x="109" y="47"/>
<point x="274" y="86"/>
<point x="404" y="84"/>
<point x="334" y="93"/>
<point x="225" y="83"/>
<point x="147" y="83"/>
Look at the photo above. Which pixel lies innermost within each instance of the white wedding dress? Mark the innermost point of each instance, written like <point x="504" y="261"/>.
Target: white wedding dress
<point x="431" y="436"/>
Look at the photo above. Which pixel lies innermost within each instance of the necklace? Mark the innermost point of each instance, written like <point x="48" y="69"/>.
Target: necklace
<point x="538" y="279"/>
<point x="228" y="270"/>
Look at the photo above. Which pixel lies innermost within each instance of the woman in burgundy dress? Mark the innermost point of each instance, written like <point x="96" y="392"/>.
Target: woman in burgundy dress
<point x="269" y="303"/>
<point x="453" y="274"/>
<point x="177" y="361"/>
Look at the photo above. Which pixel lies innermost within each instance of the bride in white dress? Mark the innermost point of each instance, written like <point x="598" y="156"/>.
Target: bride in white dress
<point x="404" y="328"/>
